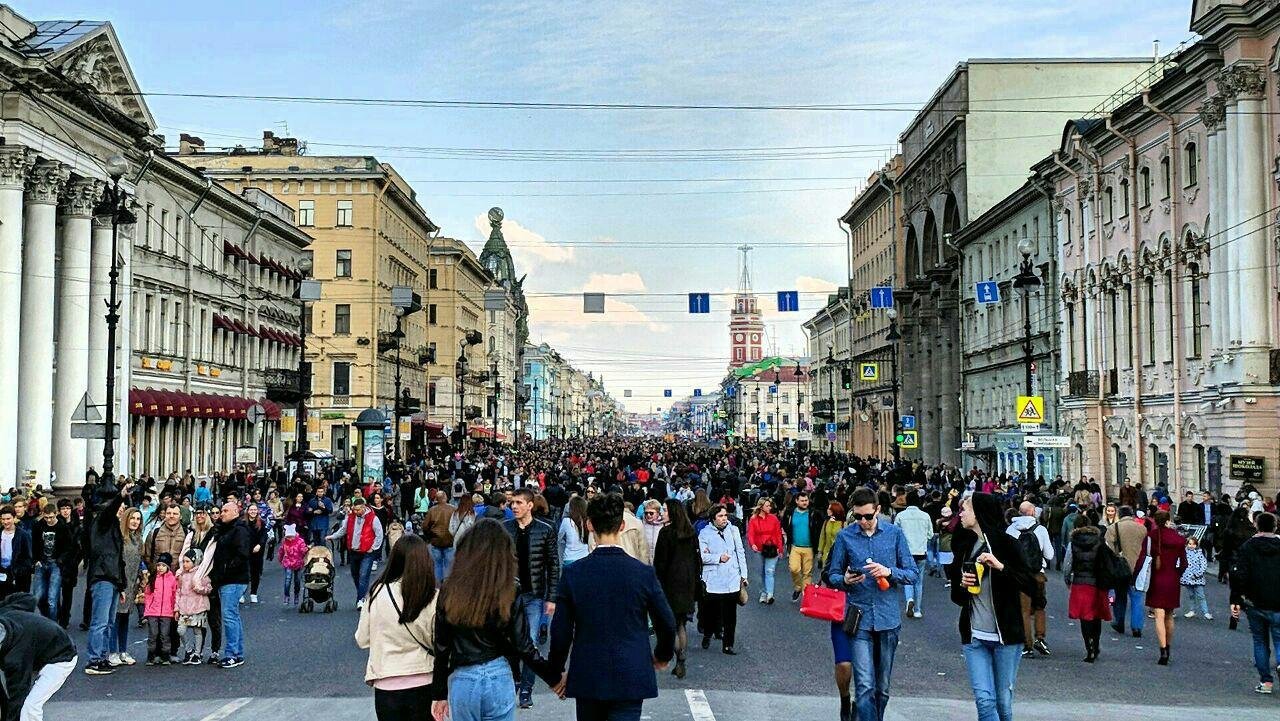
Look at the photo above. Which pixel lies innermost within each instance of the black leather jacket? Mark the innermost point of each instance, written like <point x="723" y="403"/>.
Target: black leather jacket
<point x="459" y="646"/>
<point x="544" y="556"/>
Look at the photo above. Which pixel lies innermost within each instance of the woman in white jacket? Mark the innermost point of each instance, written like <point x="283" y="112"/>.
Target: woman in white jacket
<point x="724" y="573"/>
<point x="397" y="627"/>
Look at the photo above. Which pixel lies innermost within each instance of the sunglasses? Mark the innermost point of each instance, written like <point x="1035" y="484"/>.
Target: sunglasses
<point x="863" y="516"/>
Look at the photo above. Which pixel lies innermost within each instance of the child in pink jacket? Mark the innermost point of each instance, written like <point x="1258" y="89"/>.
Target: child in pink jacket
<point x="293" y="551"/>
<point x="160" y="596"/>
<point x="192" y="606"/>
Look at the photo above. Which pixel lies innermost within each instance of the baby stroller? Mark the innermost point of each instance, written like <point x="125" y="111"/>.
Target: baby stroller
<point x="317" y="578"/>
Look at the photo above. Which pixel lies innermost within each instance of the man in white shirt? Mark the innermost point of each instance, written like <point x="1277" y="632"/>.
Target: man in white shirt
<point x="1029" y="533"/>
<point x="917" y="526"/>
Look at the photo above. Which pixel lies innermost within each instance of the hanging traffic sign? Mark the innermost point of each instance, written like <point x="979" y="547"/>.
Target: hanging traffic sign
<point x="908" y="423"/>
<point x="831" y="428"/>
<point x="697" y="391"/>
<point x="869" y="372"/>
<point x="1030" y="409"/>
<point x="988" y="292"/>
<point x="882" y="296"/>
<point x="788" y="301"/>
<point x="764" y="428"/>
<point x="666" y="393"/>
<point x="910" y="439"/>
<point x="593" y="302"/>
<point x="773" y="389"/>
<point x="699" y="302"/>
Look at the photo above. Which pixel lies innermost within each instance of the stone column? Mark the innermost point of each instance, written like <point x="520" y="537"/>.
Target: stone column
<point x="949" y="388"/>
<point x="1211" y="115"/>
<point x="928" y="415"/>
<point x="99" y="285"/>
<point x="1231" y="215"/>
<point x="124" y="349"/>
<point x="72" y="378"/>
<point x="35" y="338"/>
<point x="1252" y="236"/>
<point x="15" y="160"/>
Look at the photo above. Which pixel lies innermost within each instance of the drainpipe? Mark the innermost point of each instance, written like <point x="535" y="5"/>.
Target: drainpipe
<point x="1135" y="359"/>
<point x="848" y="321"/>
<point x="1175" y="277"/>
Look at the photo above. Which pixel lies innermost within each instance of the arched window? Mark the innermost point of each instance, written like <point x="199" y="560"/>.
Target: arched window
<point x="1191" y="164"/>
<point x="1144" y="187"/>
<point x="1124" y="198"/>
<point x="1167" y="185"/>
<point x="1066" y="224"/>
<point x="1109" y="204"/>
<point x="1193" y="279"/>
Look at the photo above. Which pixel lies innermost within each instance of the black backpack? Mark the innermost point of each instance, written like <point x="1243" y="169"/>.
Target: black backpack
<point x="1029" y="544"/>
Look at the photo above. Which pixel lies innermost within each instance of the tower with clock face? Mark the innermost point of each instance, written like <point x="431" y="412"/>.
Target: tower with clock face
<point x="746" y="329"/>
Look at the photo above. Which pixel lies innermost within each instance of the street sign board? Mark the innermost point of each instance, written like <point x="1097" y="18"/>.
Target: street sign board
<point x="788" y="301"/>
<point x="593" y="302"/>
<point x="831" y="428"/>
<point x="256" y="414"/>
<point x="763" y="428"/>
<point x="246" y="454"/>
<point x="987" y="292"/>
<point x="968" y="445"/>
<point x="1046" y="441"/>
<point x="910" y="439"/>
<point x="908" y="423"/>
<point x="1029" y="427"/>
<point x="94" y="431"/>
<point x="773" y="389"/>
<point x="1030" y="409"/>
<point x="831" y="436"/>
<point x="402" y="296"/>
<point x="869" y="372"/>
<point x="699" y="302"/>
<point x="666" y="393"/>
<point x="1247" y="468"/>
<point x="86" y="411"/>
<point x="697" y="391"/>
<point x="882" y="296"/>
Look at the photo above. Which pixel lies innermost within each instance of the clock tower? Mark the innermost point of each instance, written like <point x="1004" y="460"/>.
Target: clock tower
<point x="746" y="329"/>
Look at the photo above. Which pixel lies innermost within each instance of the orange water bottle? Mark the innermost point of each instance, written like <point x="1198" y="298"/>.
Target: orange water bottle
<point x="883" y="583"/>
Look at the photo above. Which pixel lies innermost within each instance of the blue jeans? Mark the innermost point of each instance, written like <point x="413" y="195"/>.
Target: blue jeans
<point x="105" y="598"/>
<point x="993" y="669"/>
<point x="534" y="610"/>
<point x="232" y="632"/>
<point x="872" y="671"/>
<point x="482" y="692"/>
<point x="1133" y="602"/>
<point x="361" y="570"/>
<point x="915" y="591"/>
<point x="120" y="629"/>
<point x="46" y="586"/>
<point x="770" y="567"/>
<point x="293" y="584"/>
<point x="443" y="558"/>
<point x="1265" y="627"/>
<point x="1197" y="600"/>
<point x="931" y="554"/>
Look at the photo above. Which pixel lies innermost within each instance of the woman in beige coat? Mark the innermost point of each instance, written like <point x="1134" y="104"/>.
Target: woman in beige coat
<point x="397" y="627"/>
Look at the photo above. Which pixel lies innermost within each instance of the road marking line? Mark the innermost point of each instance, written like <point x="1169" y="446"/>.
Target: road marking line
<point x="227" y="709"/>
<point x="698" y="706"/>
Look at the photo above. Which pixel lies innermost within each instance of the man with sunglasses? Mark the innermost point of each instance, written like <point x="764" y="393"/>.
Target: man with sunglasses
<point x="869" y="561"/>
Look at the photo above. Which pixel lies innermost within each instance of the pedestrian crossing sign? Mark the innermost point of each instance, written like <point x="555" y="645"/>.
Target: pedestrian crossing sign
<point x="1030" y="409"/>
<point x="910" y="439"/>
<point x="869" y="372"/>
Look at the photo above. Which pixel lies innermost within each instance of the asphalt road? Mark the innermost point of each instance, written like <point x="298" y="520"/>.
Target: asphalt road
<point x="309" y="663"/>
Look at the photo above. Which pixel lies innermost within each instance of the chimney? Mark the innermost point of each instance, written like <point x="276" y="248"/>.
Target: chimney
<point x="268" y="143"/>
<point x="288" y="146"/>
<point x="189" y="144"/>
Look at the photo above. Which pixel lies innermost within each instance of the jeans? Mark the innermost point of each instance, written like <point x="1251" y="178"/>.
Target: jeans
<point x="915" y="591"/>
<point x="1197" y="600"/>
<point x="229" y="595"/>
<point x="292" y="584"/>
<point x="590" y="709"/>
<point x="993" y="669"/>
<point x="46" y="586"/>
<point x="482" y="692"/>
<point x="1265" y="627"/>
<point x="1133" y="601"/>
<point x="931" y="555"/>
<point x="105" y="598"/>
<point x="120" y="631"/>
<point x="361" y="570"/>
<point x="443" y="559"/>
<point x="872" y="671"/>
<point x="770" y="569"/>
<point x="534" y="611"/>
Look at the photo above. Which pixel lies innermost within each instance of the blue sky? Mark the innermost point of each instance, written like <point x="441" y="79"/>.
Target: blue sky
<point x="574" y="236"/>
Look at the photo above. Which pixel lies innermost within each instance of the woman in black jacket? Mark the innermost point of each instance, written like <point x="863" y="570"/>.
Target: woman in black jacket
<point x="1088" y="602"/>
<point x="678" y="564"/>
<point x="987" y="578"/>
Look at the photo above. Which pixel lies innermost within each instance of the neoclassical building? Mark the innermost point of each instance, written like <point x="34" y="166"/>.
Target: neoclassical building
<point x="1166" y="199"/>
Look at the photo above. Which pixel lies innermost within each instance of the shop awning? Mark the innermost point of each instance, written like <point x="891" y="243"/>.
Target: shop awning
<point x="483" y="432"/>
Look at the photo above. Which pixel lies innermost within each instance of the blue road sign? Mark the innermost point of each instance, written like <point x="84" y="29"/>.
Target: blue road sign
<point x="788" y="301"/>
<point x="666" y="393"/>
<point x="764" y="428"/>
<point x="908" y="423"/>
<point x="697" y="391"/>
<point x="773" y="389"/>
<point x="882" y="296"/>
<point x="987" y="292"/>
<point x="731" y="391"/>
<point x="699" y="302"/>
<point x="831" y="428"/>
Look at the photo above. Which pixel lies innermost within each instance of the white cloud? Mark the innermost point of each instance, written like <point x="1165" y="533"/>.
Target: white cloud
<point x="809" y="284"/>
<point x="527" y="247"/>
<point x="558" y="311"/>
<point x="614" y="283"/>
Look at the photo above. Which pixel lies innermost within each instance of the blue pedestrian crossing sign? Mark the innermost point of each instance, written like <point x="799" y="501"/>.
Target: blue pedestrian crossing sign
<point x="987" y="292"/>
<point x="908" y="423"/>
<point x="697" y="391"/>
<point x="666" y="393"/>
<point x="882" y="296"/>
<point x="699" y="302"/>
<point x="831" y="428"/>
<point x="788" y="301"/>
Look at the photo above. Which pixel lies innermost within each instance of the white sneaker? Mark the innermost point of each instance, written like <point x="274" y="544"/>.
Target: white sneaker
<point x="359" y="604"/>
<point x="764" y="597"/>
<point x="1208" y="617"/>
<point x="253" y="598"/>
<point x="242" y="600"/>
<point x="1189" y="614"/>
<point x="127" y="660"/>
<point x="917" y="614"/>
<point x="114" y="659"/>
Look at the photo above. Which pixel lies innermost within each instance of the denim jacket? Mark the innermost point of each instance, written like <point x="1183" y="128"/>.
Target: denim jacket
<point x="881" y="610"/>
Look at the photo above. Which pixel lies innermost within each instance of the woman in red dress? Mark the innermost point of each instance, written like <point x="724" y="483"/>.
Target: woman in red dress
<point x="1088" y="603"/>
<point x="1168" y="560"/>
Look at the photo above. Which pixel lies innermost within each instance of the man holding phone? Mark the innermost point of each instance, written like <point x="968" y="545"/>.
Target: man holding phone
<point x="105" y="575"/>
<point x="868" y="560"/>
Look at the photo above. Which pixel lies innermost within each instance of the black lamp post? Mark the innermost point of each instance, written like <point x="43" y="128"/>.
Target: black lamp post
<point x="399" y="338"/>
<point x="777" y="405"/>
<point x="1027" y="281"/>
<point x="493" y="367"/>
<point x="799" y="380"/>
<point x="831" y="387"/>
<point x="893" y="337"/>
<point x="535" y="411"/>
<point x="304" y="368"/>
<point x="114" y="203"/>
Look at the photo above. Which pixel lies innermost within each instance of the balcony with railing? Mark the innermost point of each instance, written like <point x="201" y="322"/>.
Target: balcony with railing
<point x="823" y="408"/>
<point x="281" y="384"/>
<point x="1082" y="384"/>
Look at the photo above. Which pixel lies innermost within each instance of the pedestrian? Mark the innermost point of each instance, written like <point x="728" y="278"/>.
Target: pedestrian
<point x="229" y="575"/>
<point x="1255" y="589"/>
<point x="482" y="632"/>
<point x="191" y="604"/>
<point x="1036" y="549"/>
<point x="654" y="519"/>
<point x="318" y="510"/>
<point x="764" y="536"/>
<point x="869" y="558"/>
<point x="135" y="574"/>
<point x="435" y="529"/>
<point x="53" y="549"/>
<point x="161" y="598"/>
<point x="397" y="627"/>
<point x="1169" y="560"/>
<point x="36" y="657"/>
<point x="293" y="553"/>
<point x="803" y="528"/>
<point x="15" y="553"/>
<point x="607" y="602"/>
<point x="989" y="578"/>
<point x="363" y="535"/>
<point x="295" y="512"/>
<point x="678" y="564"/>
<point x="70" y="571"/>
<point x="918" y="528"/>
<point x="572" y="538"/>
<point x="1084" y="570"/>
<point x="105" y="576"/>
<point x="1193" y="580"/>
<point x="830" y="529"/>
<point x="1128" y="538"/>
<point x="259" y="535"/>
<point x="724" y="577"/>
<point x="462" y="518"/>
<point x="539" y="574"/>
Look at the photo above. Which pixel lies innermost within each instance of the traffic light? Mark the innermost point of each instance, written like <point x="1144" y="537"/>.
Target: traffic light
<point x="899" y="436"/>
<point x="846" y="378"/>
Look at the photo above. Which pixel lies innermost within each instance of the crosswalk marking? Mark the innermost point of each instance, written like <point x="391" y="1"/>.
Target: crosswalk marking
<point x="698" y="706"/>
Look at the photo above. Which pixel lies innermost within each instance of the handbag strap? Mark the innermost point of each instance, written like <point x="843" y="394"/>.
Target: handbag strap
<point x="400" y="613"/>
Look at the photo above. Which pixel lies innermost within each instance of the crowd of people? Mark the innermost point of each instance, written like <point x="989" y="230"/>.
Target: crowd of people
<point x="479" y="573"/>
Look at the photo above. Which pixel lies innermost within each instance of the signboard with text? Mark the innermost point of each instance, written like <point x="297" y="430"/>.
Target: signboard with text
<point x="1247" y="468"/>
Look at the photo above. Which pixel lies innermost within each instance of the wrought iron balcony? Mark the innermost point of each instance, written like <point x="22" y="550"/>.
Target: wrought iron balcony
<point x="281" y="384"/>
<point x="1083" y="384"/>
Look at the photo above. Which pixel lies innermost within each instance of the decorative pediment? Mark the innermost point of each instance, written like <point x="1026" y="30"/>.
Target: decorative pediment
<point x="97" y="63"/>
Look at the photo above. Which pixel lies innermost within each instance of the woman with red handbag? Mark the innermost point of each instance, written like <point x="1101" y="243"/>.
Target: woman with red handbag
<point x="764" y="535"/>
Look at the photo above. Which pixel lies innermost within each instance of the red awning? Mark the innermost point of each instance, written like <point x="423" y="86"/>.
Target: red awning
<point x="219" y="321"/>
<point x="139" y="402"/>
<point x="239" y="327"/>
<point x="229" y="248"/>
<point x="272" y="408"/>
<point x="483" y="432"/>
<point x="250" y="330"/>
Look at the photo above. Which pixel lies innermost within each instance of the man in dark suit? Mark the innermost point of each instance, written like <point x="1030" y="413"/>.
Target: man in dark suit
<point x="603" y="607"/>
<point x="1210" y="515"/>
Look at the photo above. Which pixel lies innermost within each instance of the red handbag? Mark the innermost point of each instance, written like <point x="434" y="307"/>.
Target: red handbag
<point x="822" y="603"/>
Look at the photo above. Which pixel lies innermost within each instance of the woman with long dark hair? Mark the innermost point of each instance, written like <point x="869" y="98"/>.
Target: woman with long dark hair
<point x="482" y="635"/>
<point x="1089" y="599"/>
<point x="397" y="626"/>
<point x="678" y="565"/>
<point x="259" y="533"/>
<point x="573" y="531"/>
<point x="1169" y="559"/>
<point x="463" y="518"/>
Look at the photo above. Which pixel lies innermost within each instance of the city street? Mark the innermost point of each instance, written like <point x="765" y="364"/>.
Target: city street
<point x="308" y="665"/>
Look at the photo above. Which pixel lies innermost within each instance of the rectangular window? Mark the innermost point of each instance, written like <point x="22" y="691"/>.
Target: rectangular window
<point x="342" y="267"/>
<point x="1144" y="187"/>
<point x="1151" y="320"/>
<point x="146" y="232"/>
<point x="432" y="279"/>
<point x="342" y="319"/>
<point x="341" y="378"/>
<point x="1164" y="177"/>
<point x="306" y="213"/>
<point x="1168" y="299"/>
<point x="1193" y="270"/>
<point x="1071" y="337"/>
<point x="344" y="214"/>
<point x="306" y="318"/>
<point x="786" y="419"/>
<point x="431" y="314"/>
<point x="1192" y="165"/>
<point x="164" y="230"/>
<point x="1124" y="198"/>
<point x="431" y="394"/>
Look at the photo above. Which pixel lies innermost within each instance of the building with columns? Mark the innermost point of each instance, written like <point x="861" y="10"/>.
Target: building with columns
<point x="1166" y="204"/>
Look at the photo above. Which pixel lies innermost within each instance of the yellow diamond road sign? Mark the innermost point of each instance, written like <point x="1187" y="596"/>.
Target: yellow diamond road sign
<point x="910" y="439"/>
<point x="1030" y="409"/>
<point x="869" y="371"/>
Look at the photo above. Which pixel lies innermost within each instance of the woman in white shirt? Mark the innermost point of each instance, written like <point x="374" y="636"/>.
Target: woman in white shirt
<point x="397" y="626"/>
<point x="724" y="573"/>
<point x="573" y="531"/>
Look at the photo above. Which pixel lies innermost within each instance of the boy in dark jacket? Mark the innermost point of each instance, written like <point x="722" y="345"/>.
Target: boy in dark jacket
<point x="15" y="554"/>
<point x="53" y="548"/>
<point x="36" y="656"/>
